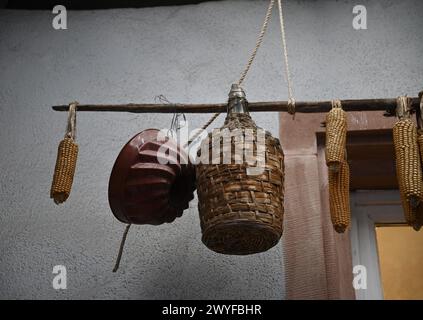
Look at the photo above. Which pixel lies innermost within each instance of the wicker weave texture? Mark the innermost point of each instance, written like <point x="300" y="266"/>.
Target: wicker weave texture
<point x="336" y="133"/>
<point x="240" y="213"/>
<point x="64" y="170"/>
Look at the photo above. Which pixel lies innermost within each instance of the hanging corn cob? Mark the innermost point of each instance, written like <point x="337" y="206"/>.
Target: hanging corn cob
<point x="419" y="210"/>
<point x="408" y="166"/>
<point x="420" y="126"/>
<point x="339" y="172"/>
<point x="339" y="197"/>
<point x="66" y="161"/>
<point x="420" y="142"/>
<point x="410" y="213"/>
<point x="419" y="218"/>
<point x="336" y="133"/>
<point x="413" y="215"/>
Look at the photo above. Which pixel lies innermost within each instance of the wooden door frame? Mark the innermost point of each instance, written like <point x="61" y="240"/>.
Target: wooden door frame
<point x="318" y="261"/>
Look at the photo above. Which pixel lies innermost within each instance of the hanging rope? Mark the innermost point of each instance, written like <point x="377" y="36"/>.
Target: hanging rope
<point x="336" y="103"/>
<point x="258" y="42"/>
<point x="291" y="100"/>
<point x="247" y="67"/>
<point x="67" y="155"/>
<point x="71" y="125"/>
<point x="204" y="127"/>
<point x="122" y="245"/>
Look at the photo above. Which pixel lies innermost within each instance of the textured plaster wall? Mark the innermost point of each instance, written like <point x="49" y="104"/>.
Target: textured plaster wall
<point x="190" y="54"/>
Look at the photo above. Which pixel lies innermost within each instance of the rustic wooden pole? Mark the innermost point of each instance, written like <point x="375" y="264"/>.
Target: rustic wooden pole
<point x="387" y="105"/>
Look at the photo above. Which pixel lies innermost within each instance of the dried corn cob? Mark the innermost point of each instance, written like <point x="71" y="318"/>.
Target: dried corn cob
<point x="419" y="211"/>
<point x="336" y="134"/>
<point x="419" y="218"/>
<point x="339" y="197"/>
<point x="408" y="161"/>
<point x="67" y="154"/>
<point x="420" y="142"/>
<point x="416" y="214"/>
<point x="64" y="171"/>
<point x="408" y="166"/>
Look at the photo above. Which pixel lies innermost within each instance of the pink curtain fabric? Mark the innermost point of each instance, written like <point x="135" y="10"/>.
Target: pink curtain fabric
<point x="317" y="260"/>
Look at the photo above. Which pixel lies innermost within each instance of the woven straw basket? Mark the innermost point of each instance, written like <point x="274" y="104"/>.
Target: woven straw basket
<point x="241" y="213"/>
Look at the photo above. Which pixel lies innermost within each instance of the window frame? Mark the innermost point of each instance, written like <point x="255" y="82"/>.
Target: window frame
<point x="368" y="209"/>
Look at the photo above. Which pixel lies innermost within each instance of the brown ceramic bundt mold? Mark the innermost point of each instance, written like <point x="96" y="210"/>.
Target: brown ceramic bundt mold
<point x="144" y="191"/>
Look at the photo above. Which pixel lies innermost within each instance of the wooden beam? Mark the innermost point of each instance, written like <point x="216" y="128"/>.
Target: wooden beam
<point x="387" y="105"/>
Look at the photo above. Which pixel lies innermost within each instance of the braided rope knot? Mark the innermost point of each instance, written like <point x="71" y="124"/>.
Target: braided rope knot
<point x="291" y="106"/>
<point x="336" y="103"/>
<point x="71" y="126"/>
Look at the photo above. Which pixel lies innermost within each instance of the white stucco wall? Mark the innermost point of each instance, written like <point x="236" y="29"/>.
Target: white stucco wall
<point x="189" y="54"/>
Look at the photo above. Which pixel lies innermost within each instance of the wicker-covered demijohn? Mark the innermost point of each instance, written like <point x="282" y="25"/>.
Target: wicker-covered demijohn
<point x="240" y="201"/>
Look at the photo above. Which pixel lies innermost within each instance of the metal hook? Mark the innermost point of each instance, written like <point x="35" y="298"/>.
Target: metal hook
<point x="175" y="124"/>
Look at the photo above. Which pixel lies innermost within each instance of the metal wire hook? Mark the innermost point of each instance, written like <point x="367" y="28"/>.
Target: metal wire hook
<point x="175" y="124"/>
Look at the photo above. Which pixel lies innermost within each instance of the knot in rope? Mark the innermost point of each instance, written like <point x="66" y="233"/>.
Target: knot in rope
<point x="71" y="126"/>
<point x="291" y="106"/>
<point x="336" y="103"/>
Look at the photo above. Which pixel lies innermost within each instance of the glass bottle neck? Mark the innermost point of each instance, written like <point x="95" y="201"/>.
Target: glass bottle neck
<point x="237" y="102"/>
